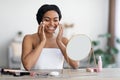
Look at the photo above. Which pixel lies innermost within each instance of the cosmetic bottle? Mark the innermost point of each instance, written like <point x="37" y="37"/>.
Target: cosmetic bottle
<point x="99" y="64"/>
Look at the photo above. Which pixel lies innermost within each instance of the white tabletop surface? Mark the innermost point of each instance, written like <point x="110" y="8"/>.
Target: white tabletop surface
<point x="70" y="74"/>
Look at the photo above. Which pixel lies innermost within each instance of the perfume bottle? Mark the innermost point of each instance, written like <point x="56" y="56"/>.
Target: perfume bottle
<point x="99" y="64"/>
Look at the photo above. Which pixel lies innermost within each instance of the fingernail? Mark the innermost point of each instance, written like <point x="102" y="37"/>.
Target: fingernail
<point x="40" y="22"/>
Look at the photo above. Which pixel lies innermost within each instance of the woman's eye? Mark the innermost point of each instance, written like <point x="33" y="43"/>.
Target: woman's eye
<point x="56" y="20"/>
<point x="46" y="20"/>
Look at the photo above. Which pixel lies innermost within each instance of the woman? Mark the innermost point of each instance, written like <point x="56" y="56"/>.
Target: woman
<point x="44" y="50"/>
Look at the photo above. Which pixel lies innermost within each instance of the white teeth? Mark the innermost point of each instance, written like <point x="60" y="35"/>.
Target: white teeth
<point x="51" y="28"/>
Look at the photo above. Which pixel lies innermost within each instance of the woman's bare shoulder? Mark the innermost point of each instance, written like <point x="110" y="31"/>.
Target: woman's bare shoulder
<point x="29" y="37"/>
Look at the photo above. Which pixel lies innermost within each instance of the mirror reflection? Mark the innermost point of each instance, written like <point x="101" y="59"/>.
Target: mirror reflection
<point x="79" y="47"/>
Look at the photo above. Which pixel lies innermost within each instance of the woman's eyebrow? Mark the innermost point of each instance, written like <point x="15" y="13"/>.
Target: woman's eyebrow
<point x="46" y="17"/>
<point x="56" y="17"/>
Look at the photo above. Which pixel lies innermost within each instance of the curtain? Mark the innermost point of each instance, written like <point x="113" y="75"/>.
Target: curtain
<point x="111" y="23"/>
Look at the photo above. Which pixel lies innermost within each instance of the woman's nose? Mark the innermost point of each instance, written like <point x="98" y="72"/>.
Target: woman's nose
<point x="51" y="23"/>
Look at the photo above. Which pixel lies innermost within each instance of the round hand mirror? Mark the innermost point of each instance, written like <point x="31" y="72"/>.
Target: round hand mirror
<point x="78" y="47"/>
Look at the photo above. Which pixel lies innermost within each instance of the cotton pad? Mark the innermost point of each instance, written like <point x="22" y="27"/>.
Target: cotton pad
<point x="54" y="73"/>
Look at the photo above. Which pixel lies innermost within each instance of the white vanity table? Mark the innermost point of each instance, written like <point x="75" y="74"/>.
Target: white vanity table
<point x="70" y="74"/>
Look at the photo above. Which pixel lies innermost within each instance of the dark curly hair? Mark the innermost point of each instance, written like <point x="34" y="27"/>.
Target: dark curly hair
<point x="44" y="8"/>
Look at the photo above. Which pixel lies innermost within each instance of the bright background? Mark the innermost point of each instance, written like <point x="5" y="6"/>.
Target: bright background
<point x="89" y="17"/>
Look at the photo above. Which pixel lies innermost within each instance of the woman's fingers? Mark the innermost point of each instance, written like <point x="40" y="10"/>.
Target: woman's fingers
<point x="60" y="34"/>
<point x="41" y="32"/>
<point x="40" y="29"/>
<point x="60" y="29"/>
<point x="43" y="25"/>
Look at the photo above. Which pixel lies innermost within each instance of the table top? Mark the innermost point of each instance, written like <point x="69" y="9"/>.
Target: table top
<point x="70" y="74"/>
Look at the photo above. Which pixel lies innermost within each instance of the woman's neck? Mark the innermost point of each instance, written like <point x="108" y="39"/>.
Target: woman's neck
<point x="48" y="35"/>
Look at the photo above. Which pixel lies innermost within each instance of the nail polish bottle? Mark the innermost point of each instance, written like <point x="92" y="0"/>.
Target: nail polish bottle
<point x="99" y="64"/>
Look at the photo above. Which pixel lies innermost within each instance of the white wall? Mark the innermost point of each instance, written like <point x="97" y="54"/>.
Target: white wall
<point x="89" y="17"/>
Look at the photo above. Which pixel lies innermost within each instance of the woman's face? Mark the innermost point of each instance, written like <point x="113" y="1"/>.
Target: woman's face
<point x="51" y="21"/>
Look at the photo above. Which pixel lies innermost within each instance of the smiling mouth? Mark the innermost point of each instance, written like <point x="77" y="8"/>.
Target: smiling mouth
<point x="51" y="28"/>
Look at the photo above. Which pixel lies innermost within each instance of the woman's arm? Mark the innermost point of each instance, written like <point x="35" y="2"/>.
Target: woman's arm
<point x="62" y="46"/>
<point x="30" y="55"/>
<point x="62" y="42"/>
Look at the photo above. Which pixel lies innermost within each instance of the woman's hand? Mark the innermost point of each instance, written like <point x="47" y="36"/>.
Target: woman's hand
<point x="41" y="32"/>
<point x="60" y="33"/>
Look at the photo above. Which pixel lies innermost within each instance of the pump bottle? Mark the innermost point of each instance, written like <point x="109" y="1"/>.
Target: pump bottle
<point x="99" y="64"/>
